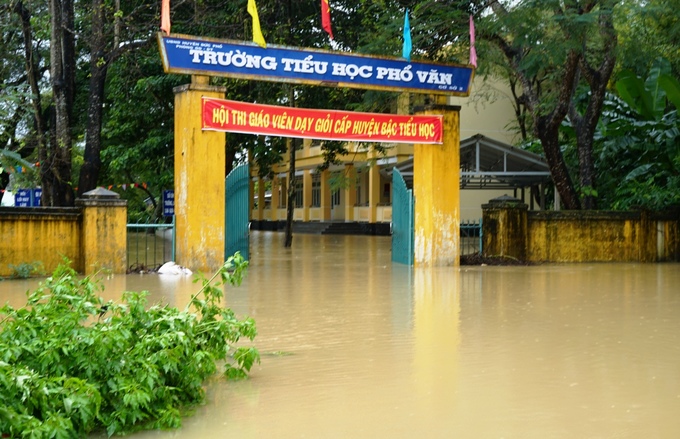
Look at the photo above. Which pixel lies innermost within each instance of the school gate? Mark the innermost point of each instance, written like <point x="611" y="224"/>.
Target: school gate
<point x="200" y="153"/>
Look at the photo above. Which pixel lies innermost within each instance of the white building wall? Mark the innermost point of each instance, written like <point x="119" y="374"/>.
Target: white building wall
<point x="487" y="111"/>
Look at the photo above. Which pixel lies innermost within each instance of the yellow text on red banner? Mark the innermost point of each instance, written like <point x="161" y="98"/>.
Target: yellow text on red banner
<point x="241" y="117"/>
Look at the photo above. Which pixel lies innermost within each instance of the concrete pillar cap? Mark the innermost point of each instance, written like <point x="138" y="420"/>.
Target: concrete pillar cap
<point x="100" y="193"/>
<point x="505" y="199"/>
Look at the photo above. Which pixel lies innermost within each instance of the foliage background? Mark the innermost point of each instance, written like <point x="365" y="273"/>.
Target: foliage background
<point x="136" y="136"/>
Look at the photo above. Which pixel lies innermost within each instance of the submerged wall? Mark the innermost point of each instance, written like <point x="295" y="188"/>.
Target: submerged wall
<point x="92" y="235"/>
<point x="579" y="236"/>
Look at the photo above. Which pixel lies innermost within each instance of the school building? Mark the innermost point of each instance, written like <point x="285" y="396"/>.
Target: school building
<point x="359" y="189"/>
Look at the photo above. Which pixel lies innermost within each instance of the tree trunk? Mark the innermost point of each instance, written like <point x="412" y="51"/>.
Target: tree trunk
<point x="290" y="206"/>
<point x="32" y="74"/>
<point x="89" y="172"/>
<point x="56" y="169"/>
<point x="548" y="135"/>
<point x="586" y="125"/>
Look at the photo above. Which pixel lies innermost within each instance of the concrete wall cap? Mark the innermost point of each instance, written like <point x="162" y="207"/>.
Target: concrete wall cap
<point x="101" y="193"/>
<point x="504" y="199"/>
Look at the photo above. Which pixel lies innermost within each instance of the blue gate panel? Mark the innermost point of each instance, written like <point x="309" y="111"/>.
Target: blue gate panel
<point x="237" y="215"/>
<point x="402" y="220"/>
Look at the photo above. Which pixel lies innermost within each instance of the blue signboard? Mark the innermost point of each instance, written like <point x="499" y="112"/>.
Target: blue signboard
<point x="23" y="198"/>
<point x="37" y="196"/>
<point x="236" y="59"/>
<point x="168" y="202"/>
<point x="27" y="197"/>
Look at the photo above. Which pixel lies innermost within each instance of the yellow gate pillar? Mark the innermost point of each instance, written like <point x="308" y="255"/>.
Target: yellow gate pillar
<point x="103" y="239"/>
<point x="436" y="187"/>
<point x="199" y="180"/>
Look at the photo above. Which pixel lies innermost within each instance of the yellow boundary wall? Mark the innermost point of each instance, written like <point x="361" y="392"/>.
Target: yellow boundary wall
<point x="580" y="236"/>
<point x="91" y="235"/>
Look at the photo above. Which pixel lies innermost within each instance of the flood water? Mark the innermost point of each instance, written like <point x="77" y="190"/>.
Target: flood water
<point x="354" y="346"/>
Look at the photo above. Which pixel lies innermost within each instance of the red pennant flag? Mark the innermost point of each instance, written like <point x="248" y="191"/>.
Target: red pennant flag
<point x="165" y="16"/>
<point x="326" y="17"/>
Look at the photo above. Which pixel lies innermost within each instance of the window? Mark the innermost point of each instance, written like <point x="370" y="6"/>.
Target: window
<point x="282" y="195"/>
<point x="298" y="191"/>
<point x="316" y="190"/>
<point x="358" y="188"/>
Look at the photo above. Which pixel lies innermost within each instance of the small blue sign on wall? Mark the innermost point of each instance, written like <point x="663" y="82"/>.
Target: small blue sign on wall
<point x="28" y="197"/>
<point x="23" y="198"/>
<point x="235" y="59"/>
<point x="37" y="196"/>
<point x="168" y="202"/>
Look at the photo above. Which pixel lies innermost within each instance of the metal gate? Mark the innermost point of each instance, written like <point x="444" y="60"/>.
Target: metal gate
<point x="237" y="215"/>
<point x="402" y="220"/>
<point x="471" y="237"/>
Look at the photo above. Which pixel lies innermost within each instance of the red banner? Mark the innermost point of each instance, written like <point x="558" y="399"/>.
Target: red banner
<point x="241" y="117"/>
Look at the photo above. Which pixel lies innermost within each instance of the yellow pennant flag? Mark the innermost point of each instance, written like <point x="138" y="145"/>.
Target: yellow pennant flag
<point x="257" y="32"/>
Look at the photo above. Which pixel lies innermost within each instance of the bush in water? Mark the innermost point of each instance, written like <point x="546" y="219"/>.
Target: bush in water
<point x="72" y="363"/>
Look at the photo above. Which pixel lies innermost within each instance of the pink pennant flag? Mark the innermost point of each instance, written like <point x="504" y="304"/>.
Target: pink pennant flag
<point x="473" y="52"/>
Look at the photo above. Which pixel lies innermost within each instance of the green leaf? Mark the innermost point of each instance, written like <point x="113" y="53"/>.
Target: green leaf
<point x="672" y="87"/>
<point x="656" y="92"/>
<point x="632" y="90"/>
<point x="139" y="369"/>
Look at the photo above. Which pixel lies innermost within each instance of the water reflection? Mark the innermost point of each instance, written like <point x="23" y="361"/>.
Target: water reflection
<point x="355" y="346"/>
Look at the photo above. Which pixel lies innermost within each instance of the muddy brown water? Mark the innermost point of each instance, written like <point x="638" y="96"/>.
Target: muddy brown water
<point x="354" y="346"/>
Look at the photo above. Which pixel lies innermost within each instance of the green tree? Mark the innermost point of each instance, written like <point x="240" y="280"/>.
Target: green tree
<point x="65" y="37"/>
<point x="567" y="46"/>
<point x="22" y="71"/>
<point x="647" y="31"/>
<point x="639" y="141"/>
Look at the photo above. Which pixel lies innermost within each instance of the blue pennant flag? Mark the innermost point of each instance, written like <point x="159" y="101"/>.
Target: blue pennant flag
<point x="406" y="51"/>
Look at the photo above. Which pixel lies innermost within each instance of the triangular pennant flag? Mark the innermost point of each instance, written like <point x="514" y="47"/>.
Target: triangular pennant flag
<point x="326" y="17"/>
<point x="165" y="16"/>
<point x="257" y="31"/>
<point x="406" y="50"/>
<point x="473" y="52"/>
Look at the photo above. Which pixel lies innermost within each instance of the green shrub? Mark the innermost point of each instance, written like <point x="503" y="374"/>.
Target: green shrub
<point x="25" y="270"/>
<point x="71" y="363"/>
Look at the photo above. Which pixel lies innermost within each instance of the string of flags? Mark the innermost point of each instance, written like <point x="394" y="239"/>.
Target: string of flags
<point x="258" y="38"/>
<point x="19" y="169"/>
<point x="128" y="186"/>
